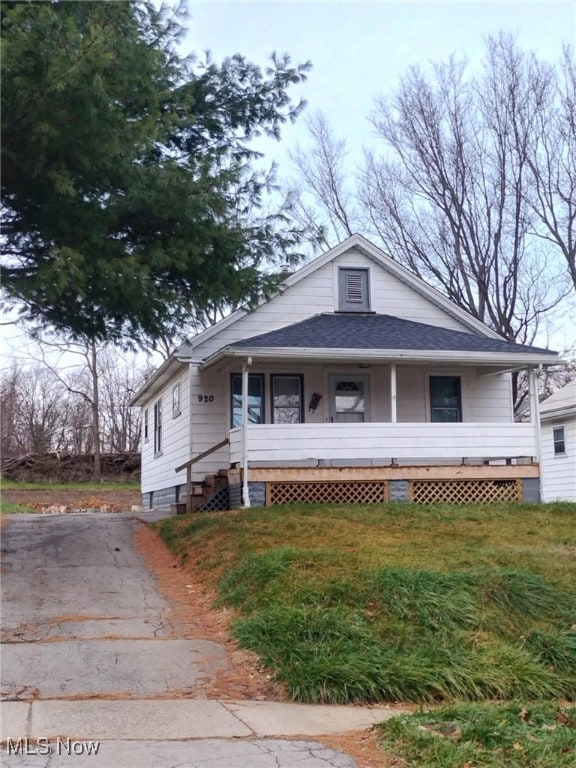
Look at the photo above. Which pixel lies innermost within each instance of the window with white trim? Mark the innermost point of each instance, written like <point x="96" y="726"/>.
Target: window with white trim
<point x="255" y="399"/>
<point x="176" y="400"/>
<point x="145" y="428"/>
<point x="559" y="438"/>
<point x="287" y="398"/>
<point x="158" y="427"/>
<point x="353" y="290"/>
<point x="445" y="398"/>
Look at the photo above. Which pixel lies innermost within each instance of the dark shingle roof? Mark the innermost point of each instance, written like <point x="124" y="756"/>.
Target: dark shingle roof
<point x="371" y="331"/>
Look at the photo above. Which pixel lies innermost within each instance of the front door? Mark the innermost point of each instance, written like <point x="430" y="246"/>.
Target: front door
<point x="349" y="397"/>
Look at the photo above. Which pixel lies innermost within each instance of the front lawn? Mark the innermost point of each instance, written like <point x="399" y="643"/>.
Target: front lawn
<point x="21" y="485"/>
<point x="9" y="508"/>
<point x="484" y="736"/>
<point x="398" y="602"/>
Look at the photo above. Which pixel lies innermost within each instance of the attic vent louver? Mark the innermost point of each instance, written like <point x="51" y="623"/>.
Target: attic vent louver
<point x="353" y="290"/>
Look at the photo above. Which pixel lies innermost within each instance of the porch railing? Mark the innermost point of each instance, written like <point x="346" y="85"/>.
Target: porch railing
<point x="386" y="442"/>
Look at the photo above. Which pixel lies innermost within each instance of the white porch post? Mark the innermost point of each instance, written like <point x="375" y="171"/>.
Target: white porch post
<point x="393" y="398"/>
<point x="245" y="492"/>
<point x="535" y="419"/>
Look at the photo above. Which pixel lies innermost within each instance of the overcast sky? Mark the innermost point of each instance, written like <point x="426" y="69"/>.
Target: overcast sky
<point x="360" y="49"/>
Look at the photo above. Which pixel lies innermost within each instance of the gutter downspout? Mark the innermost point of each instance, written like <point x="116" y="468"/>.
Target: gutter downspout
<point x="245" y="491"/>
<point x="535" y="419"/>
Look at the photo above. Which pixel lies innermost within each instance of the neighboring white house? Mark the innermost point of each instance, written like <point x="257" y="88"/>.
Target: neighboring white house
<point x="364" y="384"/>
<point x="558" y="418"/>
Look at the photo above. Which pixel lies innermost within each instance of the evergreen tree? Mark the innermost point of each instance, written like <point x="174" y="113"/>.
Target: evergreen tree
<point x="130" y="201"/>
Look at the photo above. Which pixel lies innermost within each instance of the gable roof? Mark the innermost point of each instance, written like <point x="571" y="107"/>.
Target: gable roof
<point x="361" y="337"/>
<point x="358" y="243"/>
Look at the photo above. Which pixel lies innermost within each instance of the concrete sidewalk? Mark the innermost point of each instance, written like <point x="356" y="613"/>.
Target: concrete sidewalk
<point x="161" y="719"/>
<point x="177" y="733"/>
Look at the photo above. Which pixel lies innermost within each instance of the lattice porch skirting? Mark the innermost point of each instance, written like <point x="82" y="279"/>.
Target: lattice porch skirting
<point x="374" y="492"/>
<point x="353" y="492"/>
<point x="464" y="491"/>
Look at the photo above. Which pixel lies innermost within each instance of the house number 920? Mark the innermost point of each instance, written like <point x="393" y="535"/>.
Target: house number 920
<point x="205" y="398"/>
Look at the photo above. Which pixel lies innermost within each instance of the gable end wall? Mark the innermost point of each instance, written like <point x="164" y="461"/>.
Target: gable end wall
<point x="318" y="293"/>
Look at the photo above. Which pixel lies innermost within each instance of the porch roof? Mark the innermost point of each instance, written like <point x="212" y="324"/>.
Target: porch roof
<point x="372" y="336"/>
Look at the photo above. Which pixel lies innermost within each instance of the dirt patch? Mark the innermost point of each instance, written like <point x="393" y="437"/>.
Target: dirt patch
<point x="194" y="616"/>
<point x="114" y="500"/>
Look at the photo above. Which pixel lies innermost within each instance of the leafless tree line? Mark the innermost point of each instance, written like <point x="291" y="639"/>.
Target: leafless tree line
<point x="470" y="182"/>
<point x="81" y="406"/>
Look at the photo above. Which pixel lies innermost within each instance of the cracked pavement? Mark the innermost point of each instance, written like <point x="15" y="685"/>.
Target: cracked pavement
<point x="81" y="614"/>
<point x="207" y="753"/>
<point x="90" y="651"/>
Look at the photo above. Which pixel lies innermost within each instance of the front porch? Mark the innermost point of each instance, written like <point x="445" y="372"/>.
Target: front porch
<point x="269" y="464"/>
<point x="376" y="463"/>
<point x="423" y="427"/>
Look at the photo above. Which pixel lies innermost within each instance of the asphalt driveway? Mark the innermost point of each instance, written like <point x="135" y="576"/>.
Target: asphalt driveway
<point x="81" y="615"/>
<point x="90" y="651"/>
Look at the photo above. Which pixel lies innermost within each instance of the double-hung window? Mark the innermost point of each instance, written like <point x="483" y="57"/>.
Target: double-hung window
<point x="287" y="398"/>
<point x="255" y="399"/>
<point x="445" y="398"/>
<point x="158" y="427"/>
<point x="559" y="438"/>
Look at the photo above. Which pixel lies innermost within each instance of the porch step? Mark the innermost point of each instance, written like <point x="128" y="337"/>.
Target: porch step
<point x="216" y="481"/>
<point x="211" y="494"/>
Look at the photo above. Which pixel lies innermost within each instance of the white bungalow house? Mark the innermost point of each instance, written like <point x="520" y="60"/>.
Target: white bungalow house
<point x="558" y="460"/>
<point x="363" y="384"/>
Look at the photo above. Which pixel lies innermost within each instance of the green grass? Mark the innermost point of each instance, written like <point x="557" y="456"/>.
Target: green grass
<point x="483" y="736"/>
<point x="398" y="602"/>
<point x="8" y="508"/>
<point x="88" y="486"/>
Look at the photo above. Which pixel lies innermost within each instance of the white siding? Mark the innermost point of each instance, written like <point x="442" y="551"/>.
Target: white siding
<point x="158" y="471"/>
<point x="318" y="293"/>
<point x="488" y="397"/>
<point x="485" y="399"/>
<point x="210" y="418"/>
<point x="411" y="394"/>
<point x="379" y="443"/>
<point x="559" y="471"/>
<point x="391" y="296"/>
